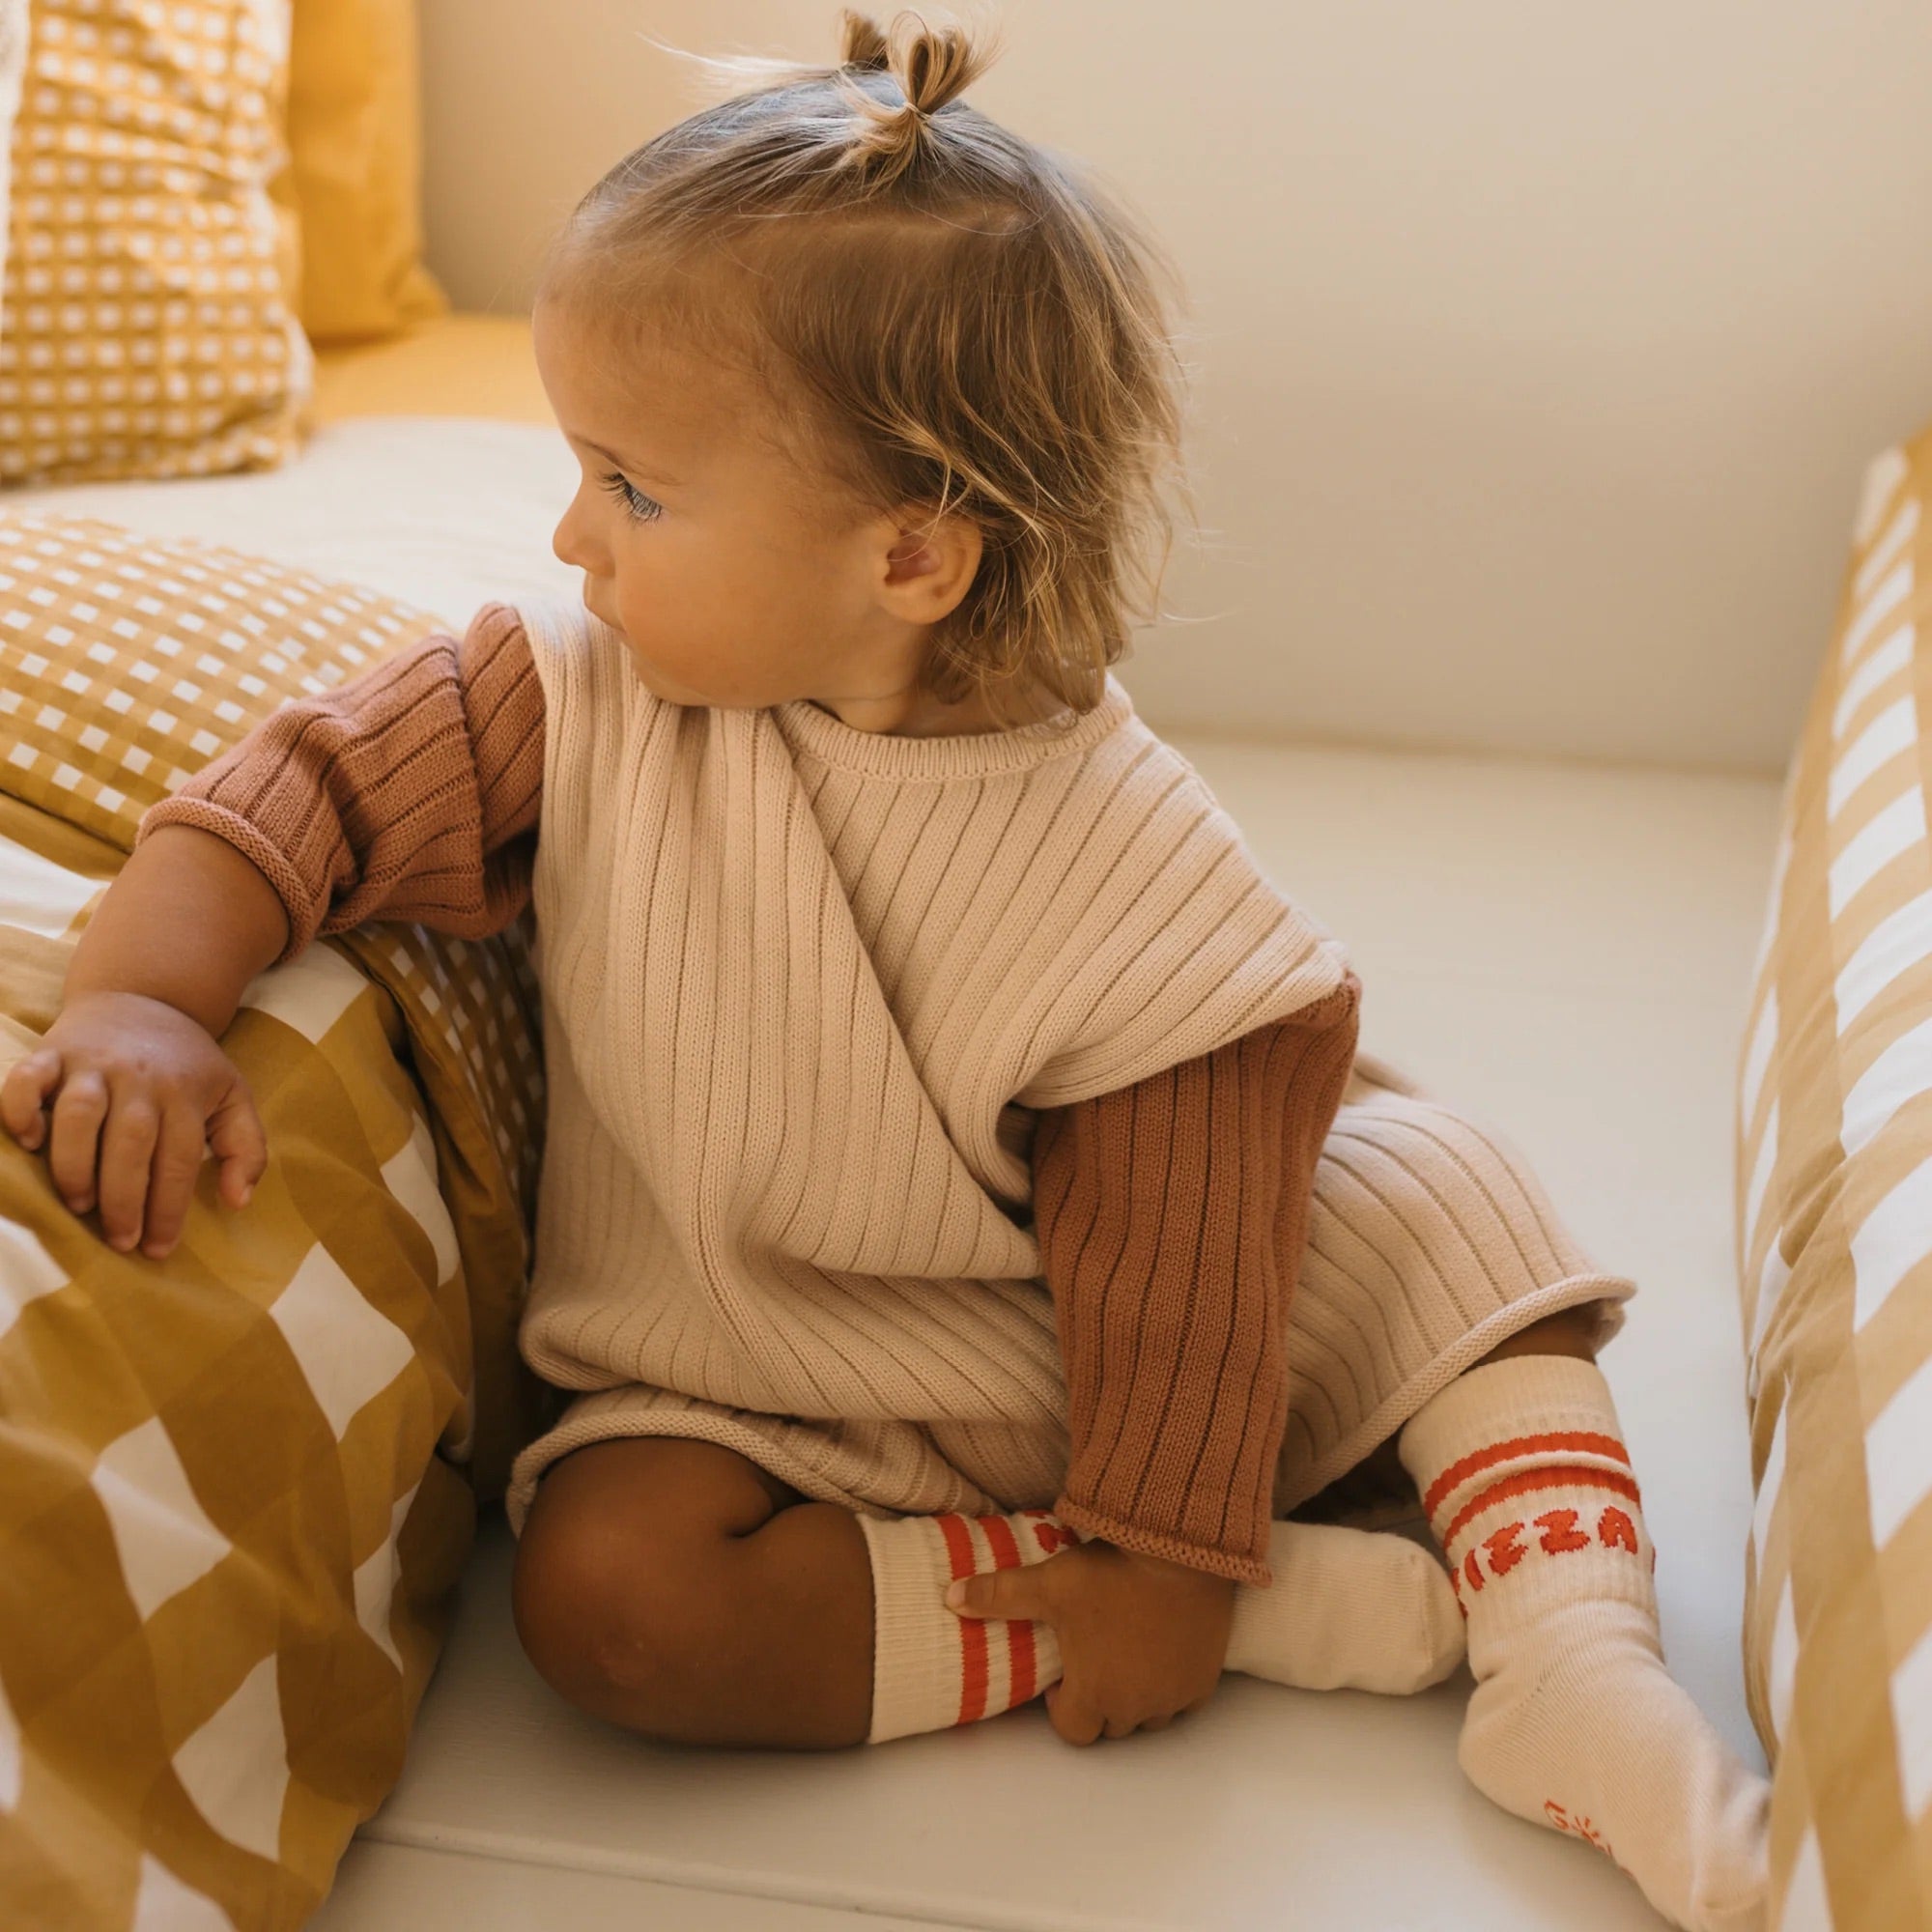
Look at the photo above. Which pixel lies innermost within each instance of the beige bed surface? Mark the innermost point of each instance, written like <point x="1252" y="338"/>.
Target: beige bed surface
<point x="458" y="365"/>
<point x="1564" y="948"/>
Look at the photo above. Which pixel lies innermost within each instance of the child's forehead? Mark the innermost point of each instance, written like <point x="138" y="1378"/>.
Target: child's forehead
<point x="622" y="384"/>
<point x="684" y="411"/>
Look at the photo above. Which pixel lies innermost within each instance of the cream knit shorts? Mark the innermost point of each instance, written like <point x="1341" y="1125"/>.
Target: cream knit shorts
<point x="1429" y="1241"/>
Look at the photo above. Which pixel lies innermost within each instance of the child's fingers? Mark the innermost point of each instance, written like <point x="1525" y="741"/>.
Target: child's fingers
<point x="1023" y="1593"/>
<point x="24" y="1092"/>
<point x="1075" y="1716"/>
<point x="178" y="1156"/>
<point x="236" y="1137"/>
<point x="126" y="1151"/>
<point x="74" y="1140"/>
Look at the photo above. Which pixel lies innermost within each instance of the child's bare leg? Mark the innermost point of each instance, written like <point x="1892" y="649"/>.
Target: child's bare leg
<point x="1571" y="1332"/>
<point x="675" y="1588"/>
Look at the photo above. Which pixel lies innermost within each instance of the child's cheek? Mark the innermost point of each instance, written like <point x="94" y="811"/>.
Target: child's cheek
<point x="673" y="673"/>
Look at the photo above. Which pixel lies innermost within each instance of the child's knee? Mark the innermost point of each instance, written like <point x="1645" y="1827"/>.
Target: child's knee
<point x="621" y="1609"/>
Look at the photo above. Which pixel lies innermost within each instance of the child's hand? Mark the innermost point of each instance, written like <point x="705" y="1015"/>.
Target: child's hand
<point x="136" y="1091"/>
<point x="1141" y="1639"/>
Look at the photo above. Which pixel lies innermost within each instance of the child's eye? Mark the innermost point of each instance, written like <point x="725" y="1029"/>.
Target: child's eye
<point x="636" y="503"/>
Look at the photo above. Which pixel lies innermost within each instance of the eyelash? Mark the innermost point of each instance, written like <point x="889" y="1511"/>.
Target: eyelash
<point x="637" y="506"/>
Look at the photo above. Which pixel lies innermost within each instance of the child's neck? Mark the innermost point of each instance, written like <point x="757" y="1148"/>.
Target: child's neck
<point x="918" y="714"/>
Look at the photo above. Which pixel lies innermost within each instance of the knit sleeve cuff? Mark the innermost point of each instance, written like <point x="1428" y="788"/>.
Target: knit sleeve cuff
<point x="1144" y="1542"/>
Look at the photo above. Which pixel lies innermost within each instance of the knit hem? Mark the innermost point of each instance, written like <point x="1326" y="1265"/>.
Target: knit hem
<point x="1464" y="1352"/>
<point x="701" y="1425"/>
<point x="1144" y="1542"/>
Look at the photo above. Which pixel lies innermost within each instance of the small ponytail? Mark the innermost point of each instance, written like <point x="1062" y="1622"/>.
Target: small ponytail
<point x="865" y="42"/>
<point x="933" y="65"/>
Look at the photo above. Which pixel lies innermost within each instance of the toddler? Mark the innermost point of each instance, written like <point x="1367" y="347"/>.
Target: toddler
<point x="967" y="1228"/>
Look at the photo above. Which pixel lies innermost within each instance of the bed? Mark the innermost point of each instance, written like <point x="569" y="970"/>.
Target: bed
<point x="1470" y="891"/>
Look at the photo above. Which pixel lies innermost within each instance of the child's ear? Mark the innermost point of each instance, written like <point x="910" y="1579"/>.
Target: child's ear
<point x="931" y="566"/>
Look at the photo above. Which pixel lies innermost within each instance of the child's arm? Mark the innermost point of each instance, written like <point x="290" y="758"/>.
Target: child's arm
<point x="1172" y="1217"/>
<point x="409" y="791"/>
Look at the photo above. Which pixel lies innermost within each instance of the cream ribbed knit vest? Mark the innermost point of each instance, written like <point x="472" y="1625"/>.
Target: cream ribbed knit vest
<point x="803" y="987"/>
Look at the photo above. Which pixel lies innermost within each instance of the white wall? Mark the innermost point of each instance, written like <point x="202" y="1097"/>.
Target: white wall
<point x="1541" y="343"/>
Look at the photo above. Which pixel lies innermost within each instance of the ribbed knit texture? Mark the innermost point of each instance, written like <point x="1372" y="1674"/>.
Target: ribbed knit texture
<point x="410" y="793"/>
<point x="1575" y="1723"/>
<point x="1170" y="1211"/>
<point x="1172" y="1218"/>
<point x="802" y="984"/>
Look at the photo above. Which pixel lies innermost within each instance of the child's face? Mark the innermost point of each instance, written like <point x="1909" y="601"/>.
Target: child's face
<point x="728" y="573"/>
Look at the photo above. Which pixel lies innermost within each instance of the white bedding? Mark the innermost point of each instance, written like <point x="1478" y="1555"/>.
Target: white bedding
<point x="443" y="512"/>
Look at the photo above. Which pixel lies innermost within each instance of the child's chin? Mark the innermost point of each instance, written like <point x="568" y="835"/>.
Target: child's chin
<point x="657" y="687"/>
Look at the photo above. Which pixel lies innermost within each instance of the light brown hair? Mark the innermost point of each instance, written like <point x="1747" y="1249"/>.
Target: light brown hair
<point x="941" y="313"/>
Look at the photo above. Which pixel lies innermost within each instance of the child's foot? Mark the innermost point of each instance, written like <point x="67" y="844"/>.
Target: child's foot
<point x="1575" y="1723"/>
<point x="1347" y="1607"/>
<point x="1350" y="1609"/>
<point x="1581" y="1727"/>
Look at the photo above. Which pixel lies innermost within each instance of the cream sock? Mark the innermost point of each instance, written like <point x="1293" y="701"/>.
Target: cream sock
<point x="1347" y="1607"/>
<point x="930" y="1666"/>
<point x="1575" y="1722"/>
<point x="1350" y="1609"/>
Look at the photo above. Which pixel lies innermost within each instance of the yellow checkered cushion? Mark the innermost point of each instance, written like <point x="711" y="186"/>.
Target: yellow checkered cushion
<point x="1835" y="1249"/>
<point x="126" y="663"/>
<point x="145" y="328"/>
<point x="237" y="1484"/>
<point x="231" y="1510"/>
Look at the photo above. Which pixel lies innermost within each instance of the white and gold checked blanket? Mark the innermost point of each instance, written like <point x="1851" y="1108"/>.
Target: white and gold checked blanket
<point x="236" y="1486"/>
<point x="1835" y="1247"/>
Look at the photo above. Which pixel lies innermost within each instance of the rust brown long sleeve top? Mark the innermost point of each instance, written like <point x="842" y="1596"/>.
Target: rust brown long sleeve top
<point x="1171" y="1214"/>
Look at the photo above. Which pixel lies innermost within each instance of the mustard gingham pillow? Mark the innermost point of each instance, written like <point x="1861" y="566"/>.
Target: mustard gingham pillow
<point x="127" y="662"/>
<point x="146" y="329"/>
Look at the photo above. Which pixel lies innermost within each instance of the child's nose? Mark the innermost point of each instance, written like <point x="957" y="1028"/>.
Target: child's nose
<point x="571" y="543"/>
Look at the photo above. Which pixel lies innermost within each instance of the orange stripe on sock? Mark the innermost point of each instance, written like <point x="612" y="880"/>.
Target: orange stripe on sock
<point x="973" y="1670"/>
<point x="1564" y="1476"/>
<point x="1026" y="1666"/>
<point x="1006" y="1550"/>
<point x="1522" y="1446"/>
<point x="1005" y="1544"/>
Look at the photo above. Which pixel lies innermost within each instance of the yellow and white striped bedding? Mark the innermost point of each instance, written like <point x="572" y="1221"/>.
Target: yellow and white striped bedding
<point x="235" y="1486"/>
<point x="1835" y="1247"/>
